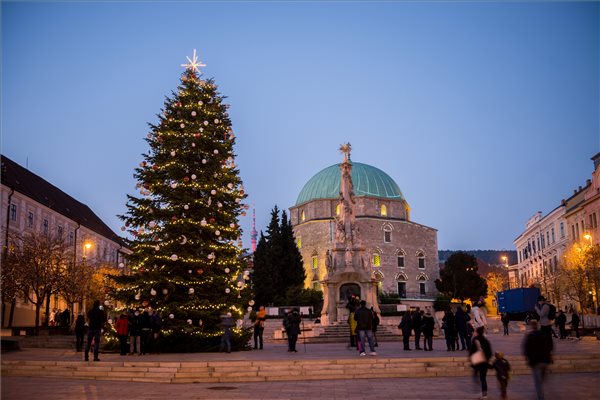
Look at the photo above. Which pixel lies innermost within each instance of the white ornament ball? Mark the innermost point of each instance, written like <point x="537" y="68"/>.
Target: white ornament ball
<point x="200" y="103"/>
<point x="216" y="151"/>
<point x="171" y="316"/>
<point x="182" y="126"/>
<point x="230" y="185"/>
<point x="157" y="247"/>
<point x="153" y="292"/>
<point x="240" y="284"/>
<point x="193" y="144"/>
<point x="189" y="321"/>
<point x="189" y="271"/>
<point x="193" y="113"/>
<point x="213" y="192"/>
<point x="174" y="257"/>
<point x="173" y="153"/>
<point x="251" y="302"/>
<point x="205" y="123"/>
<point x="106" y="302"/>
<point x="203" y="222"/>
<point x="219" y="204"/>
<point x="191" y="291"/>
<point x="216" y="121"/>
<point x="174" y="185"/>
<point x="137" y="296"/>
<point x="232" y="225"/>
<point x="186" y="207"/>
<point x="204" y="161"/>
<point x="227" y="270"/>
<point x="201" y="129"/>
<point x="165" y="291"/>
<point x="217" y="232"/>
<point x="121" y="265"/>
<point x="249" y="309"/>
<point x="193" y="176"/>
<point x="238" y="200"/>
<point x="227" y="290"/>
<point x="152" y="224"/>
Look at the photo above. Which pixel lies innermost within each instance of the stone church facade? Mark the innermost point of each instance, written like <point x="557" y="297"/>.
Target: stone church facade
<point x="362" y="242"/>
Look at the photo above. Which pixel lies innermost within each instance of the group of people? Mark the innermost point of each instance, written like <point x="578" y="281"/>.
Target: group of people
<point x="59" y="318"/>
<point x="142" y="330"/>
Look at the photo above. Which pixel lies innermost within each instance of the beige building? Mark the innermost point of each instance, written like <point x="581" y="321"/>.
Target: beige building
<point x="31" y="204"/>
<point x="398" y="255"/>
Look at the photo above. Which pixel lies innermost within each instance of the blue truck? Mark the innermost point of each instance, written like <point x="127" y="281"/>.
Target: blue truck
<point x="517" y="303"/>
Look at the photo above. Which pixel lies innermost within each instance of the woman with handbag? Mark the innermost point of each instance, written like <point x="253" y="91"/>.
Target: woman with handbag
<point x="479" y="356"/>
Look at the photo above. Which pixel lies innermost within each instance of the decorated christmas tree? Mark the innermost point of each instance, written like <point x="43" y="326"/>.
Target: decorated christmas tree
<point x="186" y="262"/>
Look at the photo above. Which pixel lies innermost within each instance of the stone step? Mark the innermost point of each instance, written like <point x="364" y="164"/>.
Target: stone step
<point x="277" y="370"/>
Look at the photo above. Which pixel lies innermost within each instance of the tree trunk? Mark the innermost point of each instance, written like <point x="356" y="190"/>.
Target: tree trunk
<point x="38" y="306"/>
<point x="48" y="309"/>
<point x="13" y="304"/>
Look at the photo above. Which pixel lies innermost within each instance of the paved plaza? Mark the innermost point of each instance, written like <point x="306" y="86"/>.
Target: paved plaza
<point x="559" y="386"/>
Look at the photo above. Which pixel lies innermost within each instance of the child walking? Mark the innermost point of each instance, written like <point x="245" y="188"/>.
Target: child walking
<point x="502" y="367"/>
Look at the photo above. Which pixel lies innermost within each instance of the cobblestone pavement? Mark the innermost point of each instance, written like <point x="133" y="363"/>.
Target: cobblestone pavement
<point x="582" y="386"/>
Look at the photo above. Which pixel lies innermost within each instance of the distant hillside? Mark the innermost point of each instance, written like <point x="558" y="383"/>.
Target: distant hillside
<point x="492" y="257"/>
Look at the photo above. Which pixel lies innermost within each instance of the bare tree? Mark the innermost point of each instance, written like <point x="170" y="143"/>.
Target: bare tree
<point x="11" y="285"/>
<point x="41" y="260"/>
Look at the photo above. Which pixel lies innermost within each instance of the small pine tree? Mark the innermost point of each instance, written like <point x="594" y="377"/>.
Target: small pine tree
<point x="185" y="262"/>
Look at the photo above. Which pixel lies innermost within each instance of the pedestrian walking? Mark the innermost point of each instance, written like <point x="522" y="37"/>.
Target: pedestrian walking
<point x="135" y="332"/>
<point x="428" y="323"/>
<point x="542" y="308"/>
<point x="502" y="367"/>
<point x="461" y="319"/>
<point x="364" y="326"/>
<point x="96" y="319"/>
<point x="79" y="332"/>
<point x="537" y="348"/>
<point x="505" y="319"/>
<point x="406" y="327"/>
<point x="479" y="356"/>
<point x="416" y="324"/>
<point x="259" y="327"/>
<point x="122" y="328"/>
<point x="575" y="323"/>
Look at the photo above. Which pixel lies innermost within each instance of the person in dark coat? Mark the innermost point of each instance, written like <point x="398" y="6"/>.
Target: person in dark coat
<point x="364" y="327"/>
<point x="502" y="367"/>
<point x="135" y="331"/>
<point x="293" y="330"/>
<point x="561" y="322"/>
<point x="428" y="323"/>
<point x="537" y="348"/>
<point x="96" y="320"/>
<point x="226" y="324"/>
<point x="65" y="318"/>
<point x="575" y="324"/>
<point x="156" y="324"/>
<point x="449" y="326"/>
<point x="145" y="332"/>
<point x="406" y="327"/>
<point x="374" y="327"/>
<point x="416" y="324"/>
<point x="505" y="321"/>
<point x="79" y="331"/>
<point x="481" y="345"/>
<point x="461" y="319"/>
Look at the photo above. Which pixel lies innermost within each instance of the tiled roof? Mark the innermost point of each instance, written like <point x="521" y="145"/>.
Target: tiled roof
<point x="38" y="189"/>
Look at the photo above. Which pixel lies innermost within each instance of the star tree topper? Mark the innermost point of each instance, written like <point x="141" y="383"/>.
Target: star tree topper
<point x="194" y="63"/>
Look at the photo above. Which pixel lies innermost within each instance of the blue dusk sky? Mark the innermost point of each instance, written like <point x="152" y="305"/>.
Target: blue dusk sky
<point x="482" y="112"/>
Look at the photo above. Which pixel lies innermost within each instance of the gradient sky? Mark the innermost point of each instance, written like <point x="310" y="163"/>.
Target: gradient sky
<point x="483" y="113"/>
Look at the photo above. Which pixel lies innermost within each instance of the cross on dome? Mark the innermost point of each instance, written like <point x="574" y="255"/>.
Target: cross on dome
<point x="194" y="63"/>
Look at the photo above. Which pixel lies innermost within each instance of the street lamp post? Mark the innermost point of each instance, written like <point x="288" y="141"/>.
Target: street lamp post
<point x="505" y="261"/>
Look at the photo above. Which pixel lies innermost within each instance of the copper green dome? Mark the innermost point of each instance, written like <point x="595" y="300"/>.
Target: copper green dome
<point x="367" y="181"/>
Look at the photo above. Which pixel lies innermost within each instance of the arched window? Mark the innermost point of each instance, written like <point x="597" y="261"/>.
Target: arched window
<point x="337" y="209"/>
<point x="376" y="261"/>
<point x="383" y="210"/>
<point x="378" y="276"/>
<point x="315" y="261"/>
<point x="387" y="232"/>
<point x="400" y="254"/>
<point x="422" y="285"/>
<point x="421" y="258"/>
<point x="302" y="216"/>
<point x="299" y="242"/>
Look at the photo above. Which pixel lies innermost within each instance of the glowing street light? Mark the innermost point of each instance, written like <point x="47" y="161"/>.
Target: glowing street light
<point x="86" y="246"/>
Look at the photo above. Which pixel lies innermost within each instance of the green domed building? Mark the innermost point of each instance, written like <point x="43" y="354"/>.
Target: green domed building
<point x="379" y="250"/>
